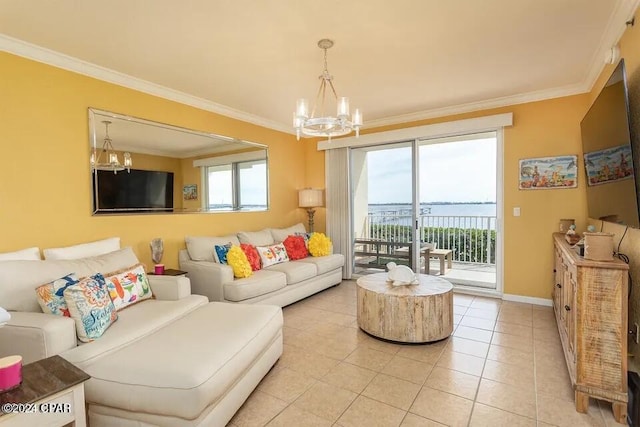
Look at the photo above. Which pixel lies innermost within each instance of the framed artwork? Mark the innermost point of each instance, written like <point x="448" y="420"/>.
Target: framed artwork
<point x="609" y="165"/>
<point x="190" y="192"/>
<point x="547" y="173"/>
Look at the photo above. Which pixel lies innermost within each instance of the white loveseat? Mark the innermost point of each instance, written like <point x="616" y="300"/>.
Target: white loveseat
<point x="280" y="284"/>
<point x="173" y="360"/>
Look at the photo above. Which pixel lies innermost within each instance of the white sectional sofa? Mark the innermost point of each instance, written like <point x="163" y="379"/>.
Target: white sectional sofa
<point x="279" y="284"/>
<point x="173" y="360"/>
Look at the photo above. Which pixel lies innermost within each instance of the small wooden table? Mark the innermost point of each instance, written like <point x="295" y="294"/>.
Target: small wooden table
<point x="51" y="394"/>
<point x="414" y="313"/>
<point x="168" y="272"/>
<point x="441" y="254"/>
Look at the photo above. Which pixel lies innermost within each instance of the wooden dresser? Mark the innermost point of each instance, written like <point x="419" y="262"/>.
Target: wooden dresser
<point x="590" y="303"/>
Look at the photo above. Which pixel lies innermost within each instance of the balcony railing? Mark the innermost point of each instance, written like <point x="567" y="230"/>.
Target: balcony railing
<point x="472" y="238"/>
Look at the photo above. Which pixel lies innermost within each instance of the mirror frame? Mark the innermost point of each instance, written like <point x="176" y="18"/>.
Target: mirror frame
<point x="93" y="143"/>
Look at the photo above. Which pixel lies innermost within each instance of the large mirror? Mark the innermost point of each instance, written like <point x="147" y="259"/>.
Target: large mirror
<point x="139" y="166"/>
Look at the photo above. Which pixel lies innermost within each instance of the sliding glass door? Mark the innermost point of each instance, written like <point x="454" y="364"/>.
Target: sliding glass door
<point x="428" y="204"/>
<point x="383" y="206"/>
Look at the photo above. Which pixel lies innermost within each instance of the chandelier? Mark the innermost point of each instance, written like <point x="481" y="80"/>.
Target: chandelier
<point x="325" y="125"/>
<point x="106" y="159"/>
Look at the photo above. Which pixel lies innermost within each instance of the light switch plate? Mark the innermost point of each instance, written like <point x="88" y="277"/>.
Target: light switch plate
<point x="516" y="211"/>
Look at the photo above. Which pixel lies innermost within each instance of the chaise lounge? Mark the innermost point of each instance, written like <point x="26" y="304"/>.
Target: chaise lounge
<point x="161" y="362"/>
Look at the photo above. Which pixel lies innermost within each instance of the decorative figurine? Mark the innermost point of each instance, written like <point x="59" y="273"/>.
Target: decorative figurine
<point x="572" y="229"/>
<point x="401" y="275"/>
<point x="591" y="229"/>
<point x="157" y="250"/>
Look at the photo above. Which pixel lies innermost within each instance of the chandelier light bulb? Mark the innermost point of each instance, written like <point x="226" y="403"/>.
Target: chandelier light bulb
<point x="343" y="106"/>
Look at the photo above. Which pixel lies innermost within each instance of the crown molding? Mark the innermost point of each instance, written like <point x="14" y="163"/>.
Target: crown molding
<point x="624" y="11"/>
<point x="480" y="105"/>
<point x="614" y="30"/>
<point x="70" y="63"/>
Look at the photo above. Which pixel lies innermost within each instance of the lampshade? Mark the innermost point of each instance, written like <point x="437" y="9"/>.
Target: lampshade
<point x="310" y="198"/>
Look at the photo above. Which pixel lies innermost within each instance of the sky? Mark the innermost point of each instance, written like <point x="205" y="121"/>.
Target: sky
<point x="461" y="171"/>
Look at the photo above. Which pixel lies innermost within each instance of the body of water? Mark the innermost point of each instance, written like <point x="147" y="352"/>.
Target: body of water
<point x="448" y="209"/>
<point x="437" y="214"/>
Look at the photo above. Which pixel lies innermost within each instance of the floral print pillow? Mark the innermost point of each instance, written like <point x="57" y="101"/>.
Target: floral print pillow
<point x="91" y="307"/>
<point x="128" y="286"/>
<point x="51" y="295"/>
<point x="271" y="255"/>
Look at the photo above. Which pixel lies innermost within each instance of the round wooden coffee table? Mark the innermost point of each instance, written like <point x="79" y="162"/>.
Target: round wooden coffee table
<point x="414" y="313"/>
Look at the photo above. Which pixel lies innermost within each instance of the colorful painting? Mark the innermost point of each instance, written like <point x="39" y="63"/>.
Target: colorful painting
<point x="190" y="192"/>
<point x="612" y="164"/>
<point x="547" y="173"/>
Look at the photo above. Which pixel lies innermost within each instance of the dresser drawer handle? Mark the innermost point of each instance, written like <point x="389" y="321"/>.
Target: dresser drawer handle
<point x="554" y="270"/>
<point x="566" y="307"/>
<point x="558" y="285"/>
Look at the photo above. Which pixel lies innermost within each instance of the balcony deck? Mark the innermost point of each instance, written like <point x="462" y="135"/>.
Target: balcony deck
<point x="461" y="273"/>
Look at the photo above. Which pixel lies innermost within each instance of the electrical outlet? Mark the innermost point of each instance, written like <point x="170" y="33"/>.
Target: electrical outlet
<point x="636" y="329"/>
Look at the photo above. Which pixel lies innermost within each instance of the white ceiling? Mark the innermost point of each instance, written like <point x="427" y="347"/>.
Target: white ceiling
<point x="397" y="60"/>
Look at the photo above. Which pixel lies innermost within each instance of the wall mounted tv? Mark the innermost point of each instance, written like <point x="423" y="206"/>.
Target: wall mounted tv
<point x="610" y="146"/>
<point x="138" y="191"/>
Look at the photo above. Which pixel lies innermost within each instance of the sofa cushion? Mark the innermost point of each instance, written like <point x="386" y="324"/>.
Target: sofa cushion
<point x="18" y="279"/>
<point x="29" y="254"/>
<point x="201" y="248"/>
<point x="83" y="250"/>
<point x="238" y="262"/>
<point x="319" y="245"/>
<point x="252" y="256"/>
<point x="51" y="295"/>
<point x="134" y="323"/>
<point x="128" y="286"/>
<point x="220" y="253"/>
<point x="325" y="263"/>
<point x="261" y="282"/>
<point x="271" y="255"/>
<point x="279" y="234"/>
<point x="296" y="247"/>
<point x="256" y="238"/>
<point x="196" y="372"/>
<point x="91" y="307"/>
<point x="296" y="271"/>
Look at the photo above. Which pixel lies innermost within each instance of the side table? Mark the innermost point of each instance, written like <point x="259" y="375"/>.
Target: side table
<point x="169" y="272"/>
<point x="51" y="394"/>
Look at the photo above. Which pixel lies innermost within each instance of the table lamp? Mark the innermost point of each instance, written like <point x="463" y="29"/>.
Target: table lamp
<point x="310" y="198"/>
<point x="11" y="366"/>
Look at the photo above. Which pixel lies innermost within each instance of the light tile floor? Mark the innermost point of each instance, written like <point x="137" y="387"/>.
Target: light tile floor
<point x="503" y="366"/>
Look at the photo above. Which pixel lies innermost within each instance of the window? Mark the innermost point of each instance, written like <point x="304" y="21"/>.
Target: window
<point x="236" y="186"/>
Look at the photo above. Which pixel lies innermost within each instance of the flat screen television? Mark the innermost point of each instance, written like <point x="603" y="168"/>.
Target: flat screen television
<point x="609" y="145"/>
<point x="137" y="191"/>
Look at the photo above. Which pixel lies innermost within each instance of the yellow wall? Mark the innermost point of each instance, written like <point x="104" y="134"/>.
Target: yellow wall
<point x="46" y="182"/>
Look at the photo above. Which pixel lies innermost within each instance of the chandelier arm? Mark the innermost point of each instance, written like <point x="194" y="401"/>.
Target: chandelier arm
<point x="315" y="104"/>
<point x="333" y="89"/>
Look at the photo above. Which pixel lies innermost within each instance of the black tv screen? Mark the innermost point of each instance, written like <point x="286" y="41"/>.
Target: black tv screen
<point x="608" y="148"/>
<point x="131" y="192"/>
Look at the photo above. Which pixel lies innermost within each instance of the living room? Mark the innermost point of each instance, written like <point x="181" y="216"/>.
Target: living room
<point x="44" y="121"/>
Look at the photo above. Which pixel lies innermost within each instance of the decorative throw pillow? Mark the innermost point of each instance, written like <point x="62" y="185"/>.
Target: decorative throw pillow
<point x="220" y="253"/>
<point x="252" y="256"/>
<point x="91" y="307"/>
<point x="128" y="286"/>
<point x="296" y="249"/>
<point x="319" y="245"/>
<point x="51" y="295"/>
<point x="271" y="255"/>
<point x="305" y="236"/>
<point x="239" y="262"/>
